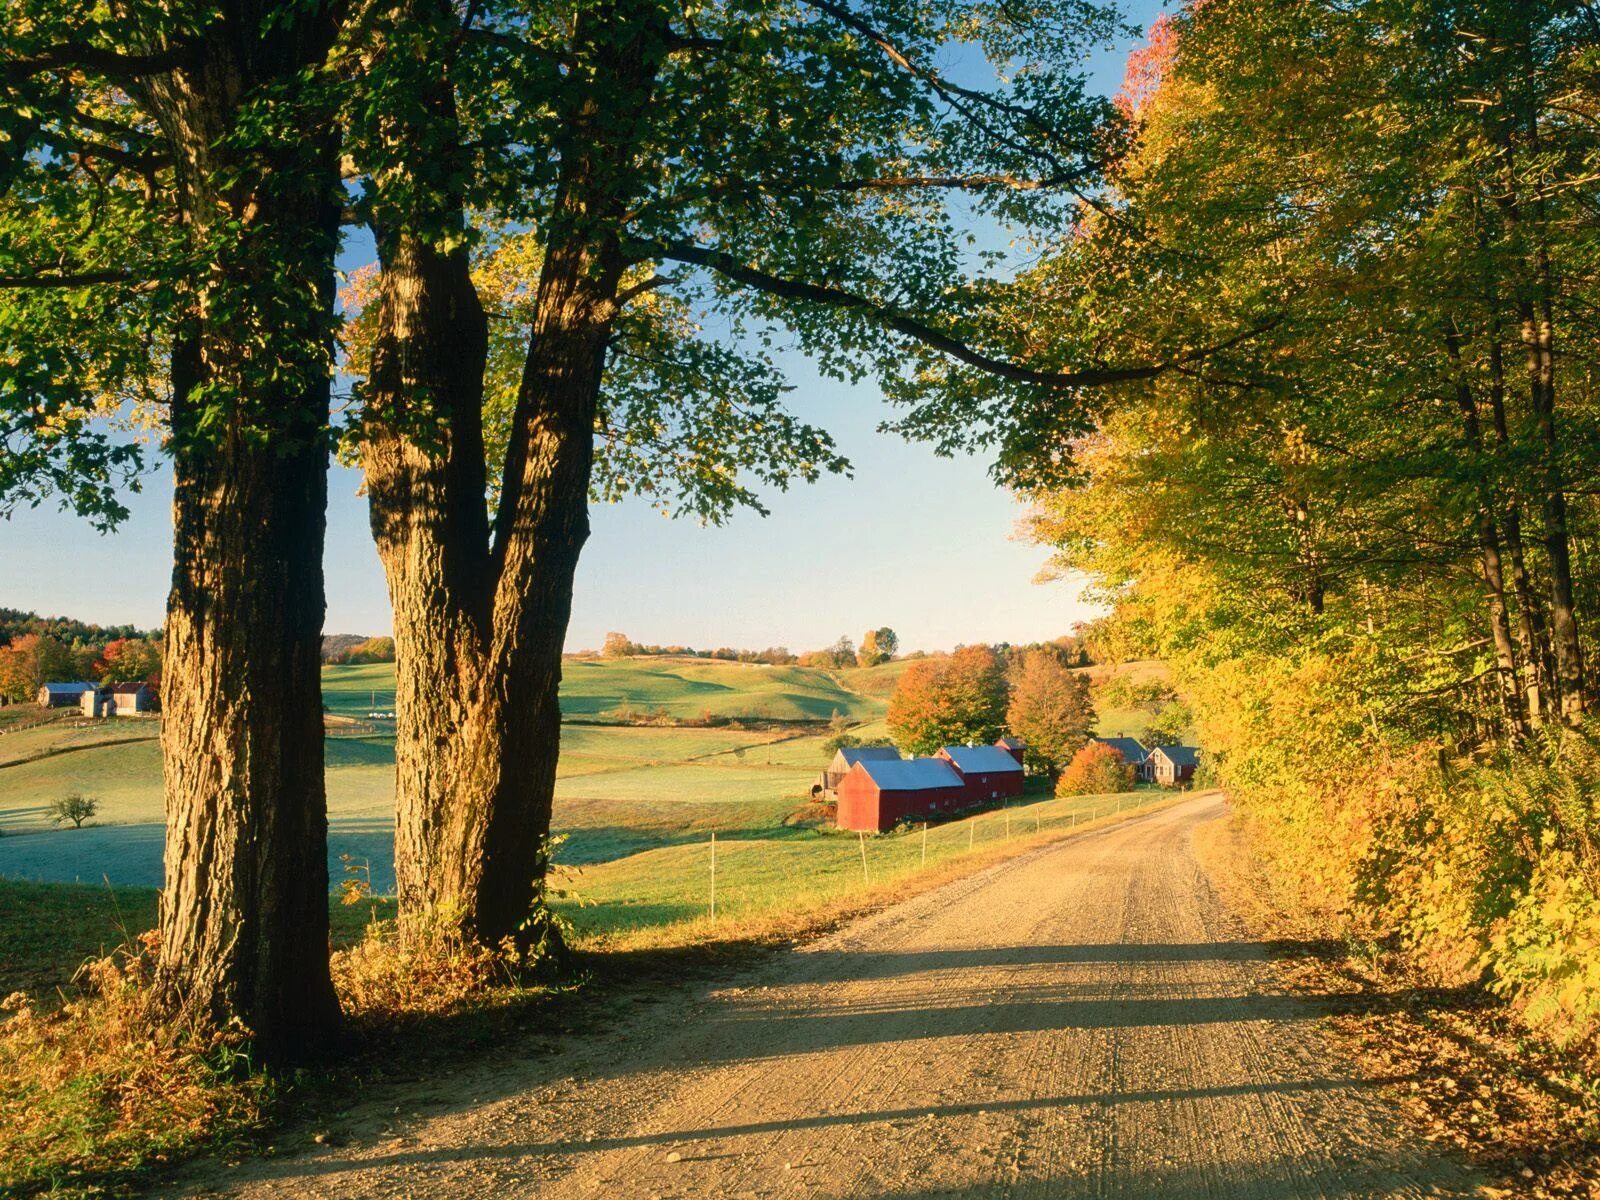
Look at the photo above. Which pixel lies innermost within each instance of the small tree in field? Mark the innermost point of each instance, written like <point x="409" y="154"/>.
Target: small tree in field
<point x="877" y="646"/>
<point x="76" y="808"/>
<point x="1095" y="770"/>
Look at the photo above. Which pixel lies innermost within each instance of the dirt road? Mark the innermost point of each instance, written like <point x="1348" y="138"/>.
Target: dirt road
<point x="1080" y="1021"/>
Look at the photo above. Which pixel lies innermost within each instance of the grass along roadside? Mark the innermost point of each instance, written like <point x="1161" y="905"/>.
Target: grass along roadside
<point x="1455" y="1062"/>
<point x="774" y="888"/>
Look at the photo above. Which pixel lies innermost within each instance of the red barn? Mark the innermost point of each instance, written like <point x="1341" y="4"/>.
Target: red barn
<point x="987" y="772"/>
<point x="874" y="794"/>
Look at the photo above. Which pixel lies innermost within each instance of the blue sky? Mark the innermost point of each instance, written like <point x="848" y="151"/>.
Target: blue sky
<point x="920" y="543"/>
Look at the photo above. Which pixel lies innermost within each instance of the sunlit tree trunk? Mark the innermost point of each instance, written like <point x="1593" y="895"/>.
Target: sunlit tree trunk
<point x="244" y="922"/>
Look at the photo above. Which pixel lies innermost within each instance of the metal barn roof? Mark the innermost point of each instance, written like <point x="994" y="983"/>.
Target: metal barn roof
<point x="854" y="754"/>
<point x="71" y="689"/>
<point x="982" y="760"/>
<point x="911" y="774"/>
<point x="1130" y="748"/>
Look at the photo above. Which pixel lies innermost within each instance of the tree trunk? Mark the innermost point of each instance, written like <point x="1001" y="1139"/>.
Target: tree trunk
<point x="1530" y="618"/>
<point x="423" y="454"/>
<point x="244" y="923"/>
<point x="479" y="627"/>
<point x="1534" y="305"/>
<point x="1489" y="556"/>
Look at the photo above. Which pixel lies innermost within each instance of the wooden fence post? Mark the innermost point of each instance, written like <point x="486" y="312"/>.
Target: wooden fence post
<point x="865" y="878"/>
<point x="924" y="843"/>
<point x="713" y="875"/>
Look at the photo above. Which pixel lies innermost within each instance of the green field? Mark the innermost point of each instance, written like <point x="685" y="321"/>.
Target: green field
<point x="634" y="794"/>
<point x="683" y="688"/>
<point x="622" y="789"/>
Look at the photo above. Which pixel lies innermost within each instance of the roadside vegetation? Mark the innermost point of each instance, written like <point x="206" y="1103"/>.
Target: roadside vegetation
<point x="1362" y="539"/>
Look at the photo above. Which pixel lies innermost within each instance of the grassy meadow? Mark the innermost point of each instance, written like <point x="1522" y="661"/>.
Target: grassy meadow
<point x="637" y="804"/>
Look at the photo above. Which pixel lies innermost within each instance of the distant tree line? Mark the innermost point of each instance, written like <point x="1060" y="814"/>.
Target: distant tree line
<point x="343" y="649"/>
<point x="15" y="623"/>
<point x="29" y="660"/>
<point x="620" y="645"/>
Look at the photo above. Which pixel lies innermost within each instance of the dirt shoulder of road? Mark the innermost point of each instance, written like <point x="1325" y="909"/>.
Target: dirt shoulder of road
<point x="1522" y="1111"/>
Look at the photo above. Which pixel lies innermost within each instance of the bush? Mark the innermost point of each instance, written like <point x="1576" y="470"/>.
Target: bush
<point x="75" y="807"/>
<point x="1095" y="770"/>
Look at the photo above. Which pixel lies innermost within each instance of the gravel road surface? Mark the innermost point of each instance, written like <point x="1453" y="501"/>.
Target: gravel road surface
<point x="1083" y="1020"/>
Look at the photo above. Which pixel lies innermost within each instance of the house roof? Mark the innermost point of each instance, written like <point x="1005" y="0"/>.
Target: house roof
<point x="76" y="688"/>
<point x="910" y="774"/>
<point x="127" y="689"/>
<point x="854" y="754"/>
<point x="981" y="760"/>
<point x="1011" y="743"/>
<point x="1131" y="749"/>
<point x="1180" y="756"/>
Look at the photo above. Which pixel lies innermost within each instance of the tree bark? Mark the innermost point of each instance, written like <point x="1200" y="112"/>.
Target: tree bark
<point x="244" y="924"/>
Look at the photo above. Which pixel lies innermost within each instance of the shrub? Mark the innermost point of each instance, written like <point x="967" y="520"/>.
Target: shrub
<point x="74" y="807"/>
<point x="1095" y="770"/>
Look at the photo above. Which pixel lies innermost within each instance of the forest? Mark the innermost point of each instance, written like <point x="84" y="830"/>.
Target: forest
<point x="1365" y="537"/>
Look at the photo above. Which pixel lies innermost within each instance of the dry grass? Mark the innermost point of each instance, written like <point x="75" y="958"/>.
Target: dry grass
<point x="96" y="1090"/>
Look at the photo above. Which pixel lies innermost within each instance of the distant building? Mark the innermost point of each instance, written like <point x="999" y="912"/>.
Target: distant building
<point x="129" y="699"/>
<point x="987" y="772"/>
<point x="876" y="793"/>
<point x="1013" y="746"/>
<point x="843" y="759"/>
<point x="65" y="695"/>
<point x="118" y="700"/>
<point x="1133" y="753"/>
<point x="1173" y="766"/>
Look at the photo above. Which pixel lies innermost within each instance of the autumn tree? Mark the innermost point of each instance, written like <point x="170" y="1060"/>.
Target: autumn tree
<point x="128" y="660"/>
<point x="1050" y="709"/>
<point x="169" y="209"/>
<point x="1096" y="769"/>
<point x="617" y="645"/>
<point x="949" y="701"/>
<point x="877" y="646"/>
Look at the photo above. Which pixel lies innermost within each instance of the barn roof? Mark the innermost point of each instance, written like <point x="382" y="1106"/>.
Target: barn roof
<point x="982" y="760"/>
<point x="1131" y="749"/>
<point x="854" y="754"/>
<point x="1011" y="743"/>
<point x="71" y="689"/>
<point x="910" y="774"/>
<point x="1180" y="756"/>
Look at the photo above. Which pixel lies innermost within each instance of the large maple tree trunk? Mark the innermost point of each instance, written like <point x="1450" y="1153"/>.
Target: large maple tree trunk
<point x="244" y="922"/>
<point x="423" y="456"/>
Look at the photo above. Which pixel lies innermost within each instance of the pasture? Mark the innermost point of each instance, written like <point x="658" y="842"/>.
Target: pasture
<point x="622" y="789"/>
<point x="624" y="792"/>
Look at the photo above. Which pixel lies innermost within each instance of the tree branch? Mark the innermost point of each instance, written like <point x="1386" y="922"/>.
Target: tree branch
<point x="111" y="63"/>
<point x="970" y="183"/>
<point x="70" y="279"/>
<point x="909" y="326"/>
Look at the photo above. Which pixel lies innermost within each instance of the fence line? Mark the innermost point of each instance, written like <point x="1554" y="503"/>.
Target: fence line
<point x="896" y="857"/>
